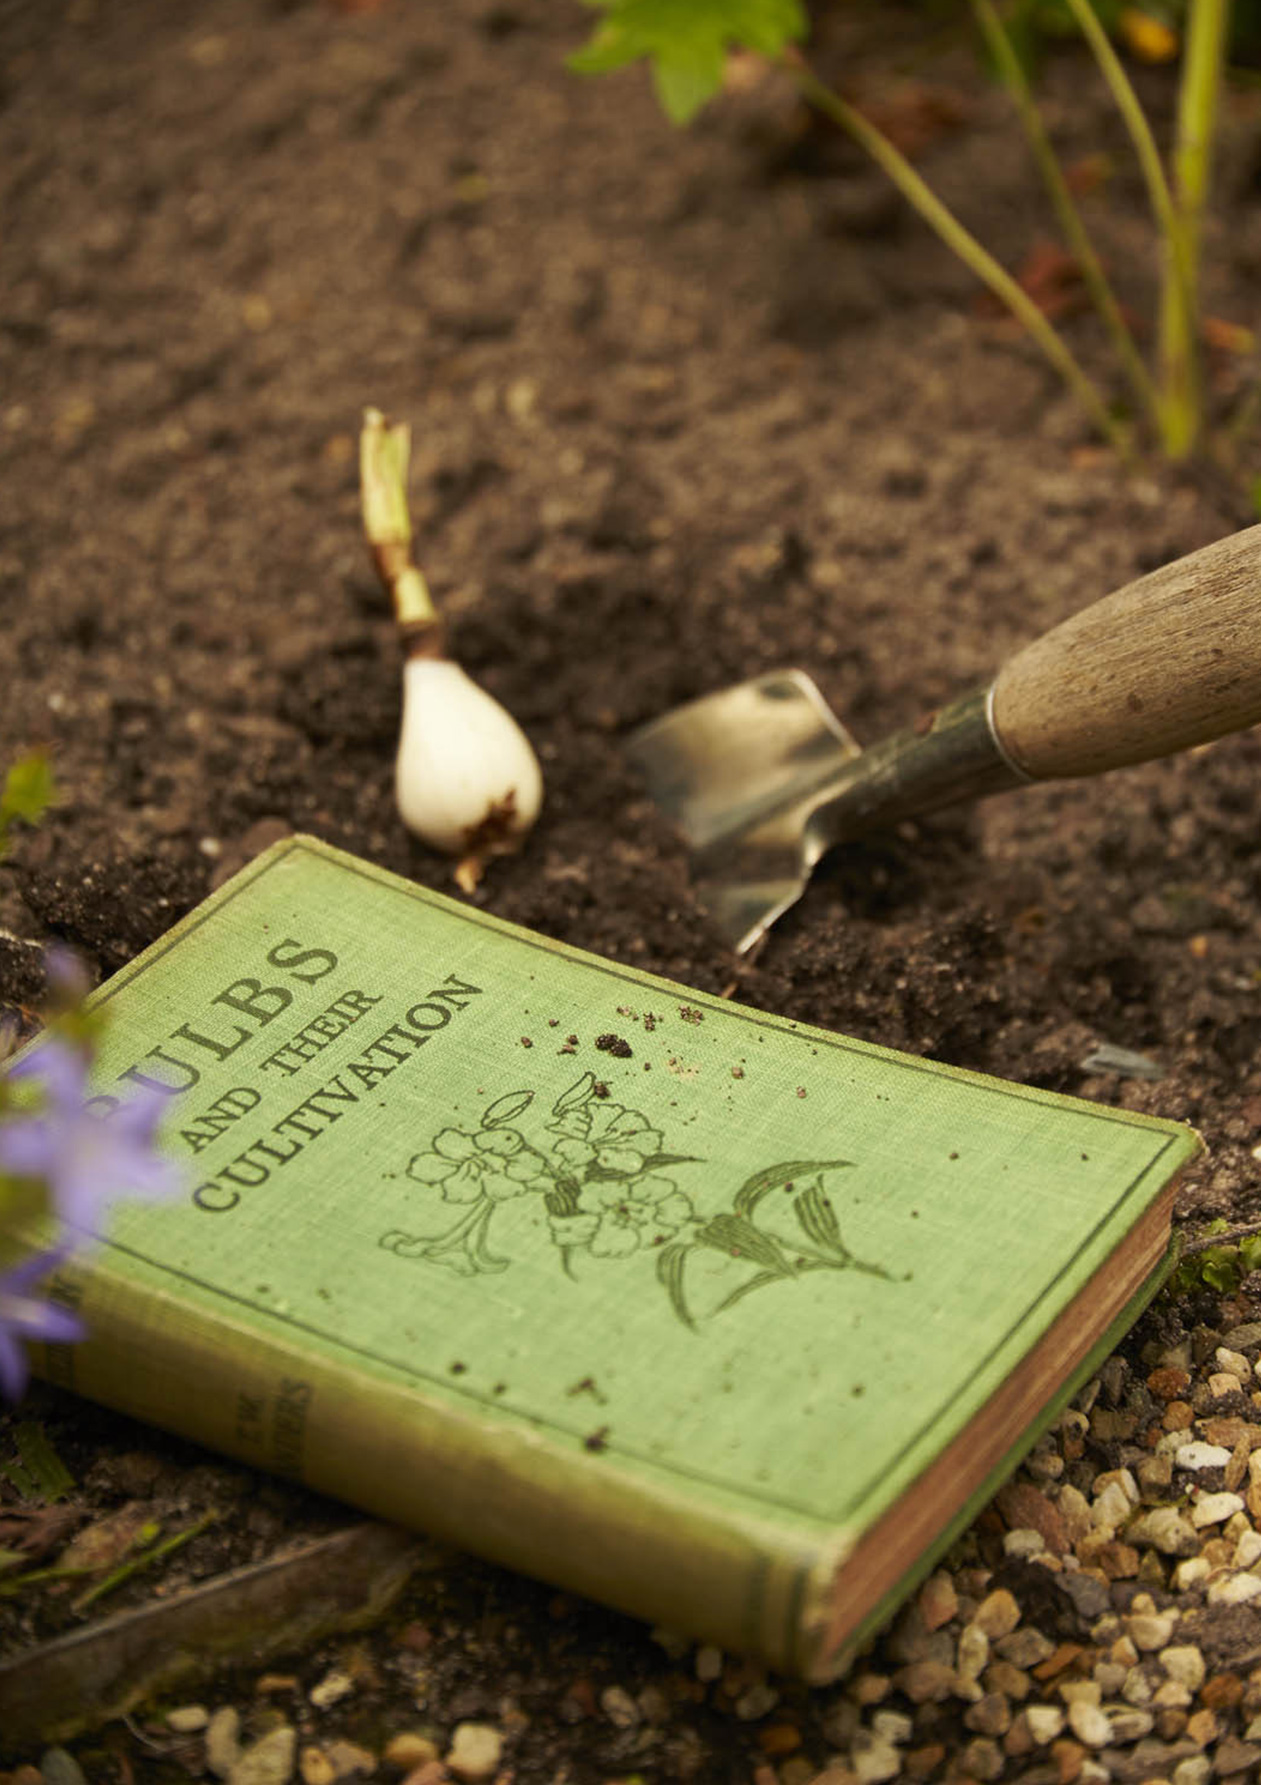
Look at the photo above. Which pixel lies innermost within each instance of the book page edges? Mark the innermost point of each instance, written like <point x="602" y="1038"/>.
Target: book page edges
<point x="655" y="1547"/>
<point x="854" y="1591"/>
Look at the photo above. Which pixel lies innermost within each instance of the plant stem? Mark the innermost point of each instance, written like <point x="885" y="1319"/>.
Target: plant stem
<point x="1178" y="287"/>
<point x="1198" y="96"/>
<point x="384" y="450"/>
<point x="1013" y="75"/>
<point x="1230" y="1236"/>
<point x="964" y="244"/>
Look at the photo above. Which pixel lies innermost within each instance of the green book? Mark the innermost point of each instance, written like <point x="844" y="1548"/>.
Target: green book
<point x="730" y="1322"/>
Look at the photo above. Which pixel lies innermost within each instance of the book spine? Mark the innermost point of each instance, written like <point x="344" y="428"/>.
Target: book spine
<point x="574" y="1517"/>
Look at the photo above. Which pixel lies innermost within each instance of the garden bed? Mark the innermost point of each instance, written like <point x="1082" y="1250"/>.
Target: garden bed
<point x="686" y="406"/>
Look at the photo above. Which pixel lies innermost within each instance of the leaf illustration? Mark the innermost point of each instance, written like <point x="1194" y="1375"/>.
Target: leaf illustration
<point x="734" y="1234"/>
<point x="818" y="1218"/>
<point x="775" y="1177"/>
<point x="660" y="1161"/>
<point x="581" y="1092"/>
<point x="670" y="1265"/>
<point x="743" y="1289"/>
<point x="506" y="1109"/>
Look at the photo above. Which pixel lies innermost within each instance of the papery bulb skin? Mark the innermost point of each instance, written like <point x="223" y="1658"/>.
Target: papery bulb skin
<point x="466" y="779"/>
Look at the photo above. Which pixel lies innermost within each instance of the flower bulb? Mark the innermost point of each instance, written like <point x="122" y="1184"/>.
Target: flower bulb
<point x="466" y="779"/>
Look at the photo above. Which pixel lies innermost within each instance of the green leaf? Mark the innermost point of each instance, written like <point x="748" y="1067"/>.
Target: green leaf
<point x="53" y="1480"/>
<point x="778" y="1177"/>
<point x="1250" y="1253"/>
<point x="817" y="1217"/>
<point x="733" y="1234"/>
<point x="670" y="1265"/>
<point x="506" y="1109"/>
<point x="743" y="1289"/>
<point x="687" y="42"/>
<point x="27" y="793"/>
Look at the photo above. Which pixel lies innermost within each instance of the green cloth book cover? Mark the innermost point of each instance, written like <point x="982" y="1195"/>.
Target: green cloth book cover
<point x="722" y="1319"/>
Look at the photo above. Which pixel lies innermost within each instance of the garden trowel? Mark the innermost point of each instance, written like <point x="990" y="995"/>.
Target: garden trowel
<point x="762" y="778"/>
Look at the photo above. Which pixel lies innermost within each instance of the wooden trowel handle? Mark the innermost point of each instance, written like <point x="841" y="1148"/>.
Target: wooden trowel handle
<point x="1171" y="660"/>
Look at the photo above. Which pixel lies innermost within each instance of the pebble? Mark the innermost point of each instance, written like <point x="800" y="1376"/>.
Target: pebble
<point x="1214" y="1509"/>
<point x="873" y="1759"/>
<point x="348" y="1760"/>
<point x="1150" y="1630"/>
<point x="188" y="1719"/>
<point x="409" y="1749"/>
<point x="1184" y="1662"/>
<point x="59" y="1767"/>
<point x="1233" y="1589"/>
<point x="1044" y="1721"/>
<point x="1090" y="1724"/>
<point x="475" y="1751"/>
<point x="331" y="1690"/>
<point x="708" y="1663"/>
<point x="997" y="1615"/>
<point x="619" y="1707"/>
<point x="938" y="1601"/>
<point x="760" y="1700"/>
<point x="222" y="1740"/>
<point x="1164" y="1529"/>
<point x="1198" y="1455"/>
<point x="268" y="1761"/>
<point x="315" y="1767"/>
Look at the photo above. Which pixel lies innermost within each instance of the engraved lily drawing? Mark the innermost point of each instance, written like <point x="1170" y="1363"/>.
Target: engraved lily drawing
<point x="611" y="1192"/>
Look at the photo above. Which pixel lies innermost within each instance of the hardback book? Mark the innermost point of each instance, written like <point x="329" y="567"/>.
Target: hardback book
<point x="727" y="1321"/>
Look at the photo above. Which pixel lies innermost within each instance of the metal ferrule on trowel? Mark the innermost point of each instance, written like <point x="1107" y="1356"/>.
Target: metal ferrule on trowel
<point x="763" y="779"/>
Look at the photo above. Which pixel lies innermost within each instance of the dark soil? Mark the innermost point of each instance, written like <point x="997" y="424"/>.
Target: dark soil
<point x="687" y="406"/>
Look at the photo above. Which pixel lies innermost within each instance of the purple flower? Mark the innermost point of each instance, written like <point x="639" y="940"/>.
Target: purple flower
<point x="84" y="1158"/>
<point x="25" y="1316"/>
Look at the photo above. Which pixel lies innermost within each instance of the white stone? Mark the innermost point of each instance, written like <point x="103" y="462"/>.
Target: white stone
<point x="1199" y="1455"/>
<point x="1081" y="1692"/>
<point x="973" y="1653"/>
<point x="1045" y="1722"/>
<point x="1150" y="1630"/>
<point x="331" y="1690"/>
<point x="222" y="1740"/>
<point x="1234" y="1363"/>
<point x="1195" y="1770"/>
<point x="1233" y="1589"/>
<point x="1172" y="1695"/>
<point x="1023" y="1544"/>
<point x="893" y="1726"/>
<point x="1190" y="1573"/>
<point x="1222" y="1383"/>
<point x="619" y="1707"/>
<point x="268" y="1761"/>
<point x="187" y="1719"/>
<point x="1137" y="1689"/>
<point x="1214" y="1509"/>
<point x="1129" y="1725"/>
<point x="1164" y="1529"/>
<point x="475" y="1751"/>
<point x="1111" y="1508"/>
<point x="1184" y="1662"/>
<point x="1122" y="1478"/>
<point x="1247" y="1548"/>
<point x="873" y="1759"/>
<point x="1089" y="1724"/>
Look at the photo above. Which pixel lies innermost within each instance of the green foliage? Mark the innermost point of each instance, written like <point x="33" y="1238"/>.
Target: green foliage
<point x="687" y="42"/>
<point x="1221" y="1268"/>
<point x="27" y="792"/>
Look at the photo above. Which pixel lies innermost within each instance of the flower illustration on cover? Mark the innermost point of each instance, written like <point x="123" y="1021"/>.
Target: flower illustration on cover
<point x="614" y="1193"/>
